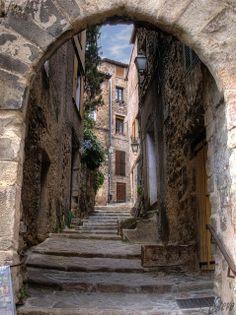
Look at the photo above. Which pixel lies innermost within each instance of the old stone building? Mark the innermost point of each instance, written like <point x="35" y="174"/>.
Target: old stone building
<point x="133" y="119"/>
<point x="51" y="170"/>
<point x="175" y="95"/>
<point x="112" y="131"/>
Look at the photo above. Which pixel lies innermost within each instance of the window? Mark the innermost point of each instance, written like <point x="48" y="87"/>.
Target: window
<point x="190" y="58"/>
<point x="76" y="84"/>
<point x="120" y="163"/>
<point x="135" y="129"/>
<point x="119" y="71"/>
<point x="119" y="94"/>
<point x="120" y="125"/>
<point x="93" y="115"/>
<point x="46" y="67"/>
<point x="77" y="97"/>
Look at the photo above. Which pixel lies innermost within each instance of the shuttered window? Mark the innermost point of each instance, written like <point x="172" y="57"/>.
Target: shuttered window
<point x="120" y="163"/>
<point x="120" y="72"/>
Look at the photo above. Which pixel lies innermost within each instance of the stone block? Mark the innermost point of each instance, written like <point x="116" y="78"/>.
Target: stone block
<point x="211" y="184"/>
<point x="5" y="243"/>
<point x="18" y="47"/>
<point x="158" y="255"/>
<point x="8" y="173"/>
<point x="232" y="167"/>
<point x="8" y="257"/>
<point x="13" y="65"/>
<point x="23" y="23"/>
<point x="145" y="231"/>
<point x="6" y="150"/>
<point x="232" y="138"/>
<point x="231" y="113"/>
<point x="50" y="18"/>
<point x="9" y="212"/>
<point x="215" y="201"/>
<point x="11" y="124"/>
<point x="12" y="91"/>
<point x="70" y="7"/>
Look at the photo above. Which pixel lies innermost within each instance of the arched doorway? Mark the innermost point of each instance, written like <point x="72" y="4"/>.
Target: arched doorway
<point x="31" y="32"/>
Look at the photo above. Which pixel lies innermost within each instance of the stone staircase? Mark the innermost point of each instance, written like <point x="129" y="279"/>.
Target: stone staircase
<point x="89" y="270"/>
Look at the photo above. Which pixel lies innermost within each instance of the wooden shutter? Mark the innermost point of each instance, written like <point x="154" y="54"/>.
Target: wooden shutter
<point x="120" y="192"/>
<point x="75" y="78"/>
<point x="119" y="72"/>
<point x="120" y="163"/>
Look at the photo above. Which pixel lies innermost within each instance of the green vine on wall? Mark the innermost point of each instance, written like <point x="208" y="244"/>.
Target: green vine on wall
<point x="93" y="153"/>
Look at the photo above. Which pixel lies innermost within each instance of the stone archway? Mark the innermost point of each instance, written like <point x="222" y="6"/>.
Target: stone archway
<point x="30" y="31"/>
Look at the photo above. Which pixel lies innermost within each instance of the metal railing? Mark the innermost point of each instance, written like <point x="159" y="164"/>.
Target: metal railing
<point x="224" y="252"/>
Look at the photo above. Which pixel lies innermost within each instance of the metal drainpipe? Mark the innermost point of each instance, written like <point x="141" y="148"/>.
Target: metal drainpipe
<point x="110" y="150"/>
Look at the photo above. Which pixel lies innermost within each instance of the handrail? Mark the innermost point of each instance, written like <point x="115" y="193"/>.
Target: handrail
<point x="222" y="248"/>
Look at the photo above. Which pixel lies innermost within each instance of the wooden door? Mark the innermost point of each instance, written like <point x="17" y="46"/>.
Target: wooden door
<point x="120" y="192"/>
<point x="204" y="210"/>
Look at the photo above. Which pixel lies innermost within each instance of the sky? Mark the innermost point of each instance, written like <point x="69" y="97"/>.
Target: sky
<point x="115" y="42"/>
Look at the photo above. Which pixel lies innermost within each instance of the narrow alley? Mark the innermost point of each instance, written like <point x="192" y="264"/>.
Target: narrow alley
<point x="88" y="269"/>
<point x="117" y="157"/>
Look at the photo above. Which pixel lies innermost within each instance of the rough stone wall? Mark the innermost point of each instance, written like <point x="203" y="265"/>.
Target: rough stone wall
<point x="102" y="133"/>
<point x="133" y="112"/>
<point x="53" y="135"/>
<point x="87" y="191"/>
<point x="119" y="142"/>
<point x="173" y="104"/>
<point x="31" y="31"/>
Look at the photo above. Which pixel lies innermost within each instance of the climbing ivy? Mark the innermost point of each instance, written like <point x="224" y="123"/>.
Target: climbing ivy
<point x="93" y="77"/>
<point x="93" y="153"/>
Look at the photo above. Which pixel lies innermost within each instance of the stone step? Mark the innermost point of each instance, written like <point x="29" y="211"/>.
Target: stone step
<point x="88" y="248"/>
<point x="105" y="217"/>
<point x="99" y="227"/>
<point x="102" y="213"/>
<point x="76" y="235"/>
<point x="96" y="231"/>
<point x="84" y="264"/>
<point x="45" y="302"/>
<point x="111" y="282"/>
<point x="96" y="224"/>
<point x="101" y="219"/>
<point x="111" y="212"/>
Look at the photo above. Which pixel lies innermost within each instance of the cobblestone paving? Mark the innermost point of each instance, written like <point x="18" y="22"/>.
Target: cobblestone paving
<point x="69" y="275"/>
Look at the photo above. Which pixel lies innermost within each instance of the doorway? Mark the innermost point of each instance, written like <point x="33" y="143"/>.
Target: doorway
<point x="151" y="168"/>
<point x="206" y="259"/>
<point x="120" y="192"/>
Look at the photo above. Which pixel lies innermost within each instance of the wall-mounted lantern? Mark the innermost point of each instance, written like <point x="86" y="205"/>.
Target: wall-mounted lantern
<point x="141" y="63"/>
<point x="134" y="145"/>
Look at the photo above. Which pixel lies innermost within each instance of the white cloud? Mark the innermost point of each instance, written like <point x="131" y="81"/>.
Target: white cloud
<point x="115" y="42"/>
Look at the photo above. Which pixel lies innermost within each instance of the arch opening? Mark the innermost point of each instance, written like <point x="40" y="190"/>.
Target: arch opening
<point x="216" y="122"/>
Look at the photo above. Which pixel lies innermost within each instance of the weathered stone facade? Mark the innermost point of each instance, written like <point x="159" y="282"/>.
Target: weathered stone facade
<point x="178" y="97"/>
<point x="31" y="31"/>
<point x="106" y="131"/>
<point x="133" y="120"/>
<point x="52" y="167"/>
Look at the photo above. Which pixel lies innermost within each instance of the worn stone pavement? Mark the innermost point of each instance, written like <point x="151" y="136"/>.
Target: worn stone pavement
<point x="89" y="270"/>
